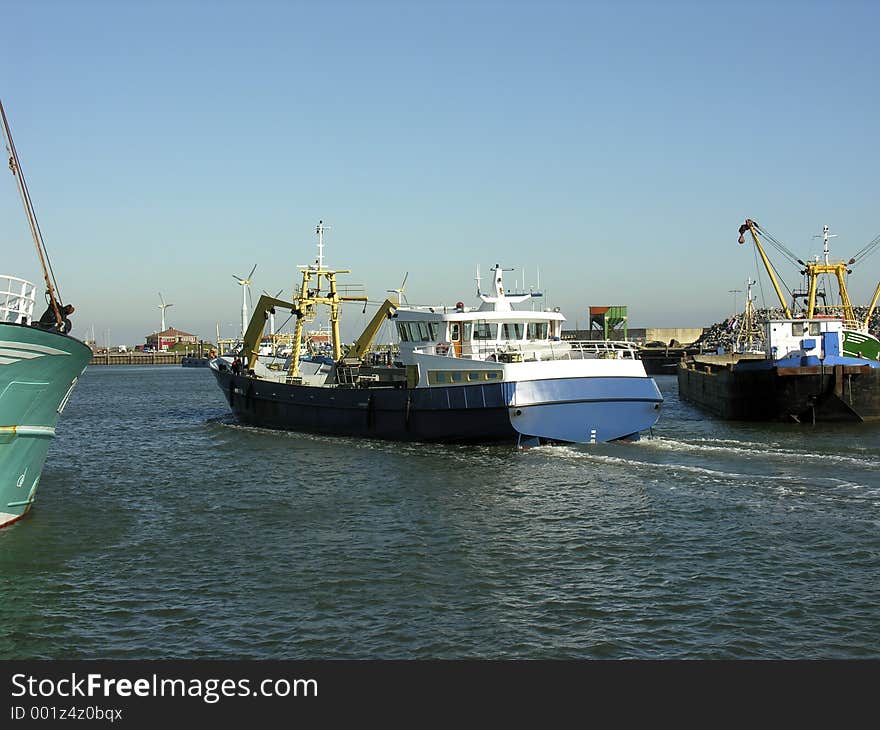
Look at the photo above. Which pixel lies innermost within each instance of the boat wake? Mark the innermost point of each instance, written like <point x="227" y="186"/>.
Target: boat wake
<point x="683" y="474"/>
<point x="766" y="450"/>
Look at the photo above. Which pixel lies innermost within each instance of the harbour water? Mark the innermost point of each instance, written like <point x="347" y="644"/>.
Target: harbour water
<point x="164" y="530"/>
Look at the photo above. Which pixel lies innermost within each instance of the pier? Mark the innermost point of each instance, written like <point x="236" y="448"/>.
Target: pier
<point x="136" y="358"/>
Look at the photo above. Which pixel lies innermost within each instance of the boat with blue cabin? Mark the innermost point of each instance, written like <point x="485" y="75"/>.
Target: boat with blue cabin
<point x="40" y="364"/>
<point x="823" y="365"/>
<point x="461" y="374"/>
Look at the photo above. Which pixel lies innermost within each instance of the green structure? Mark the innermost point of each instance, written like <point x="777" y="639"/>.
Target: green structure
<point x="610" y="321"/>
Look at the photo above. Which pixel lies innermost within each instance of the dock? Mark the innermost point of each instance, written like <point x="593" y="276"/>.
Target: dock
<point x="137" y="358"/>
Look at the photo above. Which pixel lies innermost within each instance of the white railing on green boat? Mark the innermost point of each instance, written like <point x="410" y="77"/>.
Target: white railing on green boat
<point x="16" y="300"/>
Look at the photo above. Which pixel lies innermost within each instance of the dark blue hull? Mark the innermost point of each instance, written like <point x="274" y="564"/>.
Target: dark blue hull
<point x="461" y="414"/>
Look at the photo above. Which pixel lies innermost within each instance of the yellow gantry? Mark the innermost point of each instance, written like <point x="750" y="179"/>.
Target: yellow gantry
<point x="813" y="271"/>
<point x="318" y="286"/>
<point x="310" y="296"/>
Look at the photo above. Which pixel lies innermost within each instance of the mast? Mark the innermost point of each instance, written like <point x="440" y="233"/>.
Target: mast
<point x="15" y="167"/>
<point x="814" y="269"/>
<point x="748" y="332"/>
<point x="750" y="226"/>
<point x="311" y="296"/>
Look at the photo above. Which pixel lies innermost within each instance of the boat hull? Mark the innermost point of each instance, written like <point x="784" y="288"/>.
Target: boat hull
<point x="764" y="392"/>
<point x="483" y="413"/>
<point x="38" y="371"/>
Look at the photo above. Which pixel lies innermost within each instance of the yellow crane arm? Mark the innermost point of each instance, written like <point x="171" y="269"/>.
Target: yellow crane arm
<point x="749" y="226"/>
<point x="362" y="345"/>
<point x="251" y="346"/>
<point x="872" y="305"/>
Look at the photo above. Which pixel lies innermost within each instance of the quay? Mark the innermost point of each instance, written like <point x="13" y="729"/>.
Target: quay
<point x="137" y="358"/>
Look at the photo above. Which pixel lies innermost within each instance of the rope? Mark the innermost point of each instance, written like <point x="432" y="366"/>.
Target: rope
<point x="866" y="250"/>
<point x="779" y="246"/>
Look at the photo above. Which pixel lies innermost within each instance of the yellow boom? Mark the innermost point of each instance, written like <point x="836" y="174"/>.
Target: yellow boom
<point x="749" y="226"/>
<point x="362" y="345"/>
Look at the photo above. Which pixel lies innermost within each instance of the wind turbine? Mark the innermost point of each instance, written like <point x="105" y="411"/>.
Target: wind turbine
<point x="245" y="293"/>
<point x="400" y="289"/>
<point x="163" y="307"/>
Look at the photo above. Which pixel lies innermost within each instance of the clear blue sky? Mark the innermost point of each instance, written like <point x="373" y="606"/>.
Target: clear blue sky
<point x="617" y="146"/>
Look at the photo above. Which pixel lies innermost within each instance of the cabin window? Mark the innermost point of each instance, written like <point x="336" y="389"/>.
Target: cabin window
<point x="468" y="331"/>
<point x="474" y="376"/>
<point x="402" y="331"/>
<point x="457" y="377"/>
<point x="537" y="330"/>
<point x="486" y="331"/>
<point x="493" y="375"/>
<point x="798" y="328"/>
<point x="815" y="329"/>
<point x="512" y="331"/>
<point x="425" y="331"/>
<point x="455" y="332"/>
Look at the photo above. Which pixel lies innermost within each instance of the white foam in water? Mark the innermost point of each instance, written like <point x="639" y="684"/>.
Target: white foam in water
<point x="743" y="447"/>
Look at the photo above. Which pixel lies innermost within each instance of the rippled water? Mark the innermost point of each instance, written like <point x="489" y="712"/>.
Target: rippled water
<point x="163" y="530"/>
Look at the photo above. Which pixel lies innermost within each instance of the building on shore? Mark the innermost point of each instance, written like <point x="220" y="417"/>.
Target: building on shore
<point x="169" y="338"/>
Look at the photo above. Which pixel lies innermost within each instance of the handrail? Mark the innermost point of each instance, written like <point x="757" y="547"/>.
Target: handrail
<point x="542" y="349"/>
<point x="17" y="297"/>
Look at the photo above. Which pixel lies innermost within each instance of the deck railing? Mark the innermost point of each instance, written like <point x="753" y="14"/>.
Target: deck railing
<point x="543" y="350"/>
<point x="16" y="300"/>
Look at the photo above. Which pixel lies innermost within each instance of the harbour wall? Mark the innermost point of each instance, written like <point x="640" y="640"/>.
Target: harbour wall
<point x="136" y="358"/>
<point x="682" y="335"/>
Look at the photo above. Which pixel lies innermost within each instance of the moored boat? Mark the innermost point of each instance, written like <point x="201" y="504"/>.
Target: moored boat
<point x="40" y="364"/>
<point x="461" y="374"/>
<point x="820" y="366"/>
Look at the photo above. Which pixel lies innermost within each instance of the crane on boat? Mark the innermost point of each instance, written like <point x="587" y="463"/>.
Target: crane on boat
<point x="813" y="270"/>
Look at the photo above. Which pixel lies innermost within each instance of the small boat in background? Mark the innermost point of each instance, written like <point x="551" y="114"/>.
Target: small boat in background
<point x="40" y="364"/>
<point x="462" y="374"/>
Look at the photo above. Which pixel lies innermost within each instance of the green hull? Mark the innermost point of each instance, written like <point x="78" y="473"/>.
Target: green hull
<point x="38" y="370"/>
<point x="860" y="344"/>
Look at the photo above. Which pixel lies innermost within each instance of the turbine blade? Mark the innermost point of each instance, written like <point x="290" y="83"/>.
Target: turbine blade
<point x="404" y="280"/>
<point x="250" y="276"/>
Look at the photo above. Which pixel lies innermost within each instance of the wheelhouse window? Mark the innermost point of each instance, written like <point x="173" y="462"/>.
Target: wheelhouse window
<point x="486" y="331"/>
<point x="537" y="330"/>
<point x="468" y="330"/>
<point x="418" y="331"/>
<point x="512" y="331"/>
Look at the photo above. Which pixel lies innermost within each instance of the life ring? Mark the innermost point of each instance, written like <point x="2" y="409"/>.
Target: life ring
<point x="441" y="348"/>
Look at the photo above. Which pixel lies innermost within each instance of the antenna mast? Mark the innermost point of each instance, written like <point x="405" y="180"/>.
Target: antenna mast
<point x="320" y="231"/>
